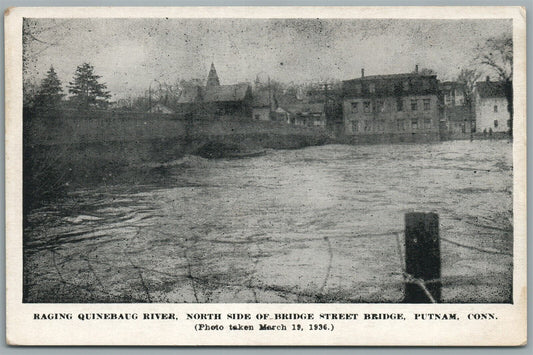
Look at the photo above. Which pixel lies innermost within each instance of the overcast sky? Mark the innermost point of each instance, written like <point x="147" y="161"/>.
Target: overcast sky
<point x="130" y="53"/>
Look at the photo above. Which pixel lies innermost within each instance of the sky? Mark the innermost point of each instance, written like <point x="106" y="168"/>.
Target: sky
<point x="132" y="54"/>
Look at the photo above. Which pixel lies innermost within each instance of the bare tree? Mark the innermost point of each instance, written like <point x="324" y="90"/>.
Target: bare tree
<point x="497" y="55"/>
<point x="468" y="77"/>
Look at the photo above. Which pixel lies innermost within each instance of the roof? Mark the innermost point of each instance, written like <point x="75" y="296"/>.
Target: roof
<point x="393" y="76"/>
<point x="304" y="108"/>
<point x="160" y="108"/>
<point x="222" y="93"/>
<point x="452" y="84"/>
<point x="488" y="89"/>
<point x="391" y="85"/>
<point x="189" y="95"/>
<point x="212" y="78"/>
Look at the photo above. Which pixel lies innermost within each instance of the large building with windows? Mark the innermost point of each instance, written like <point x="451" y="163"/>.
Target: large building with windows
<point x="391" y="108"/>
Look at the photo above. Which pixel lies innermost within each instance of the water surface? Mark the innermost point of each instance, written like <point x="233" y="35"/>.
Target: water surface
<point x="318" y="224"/>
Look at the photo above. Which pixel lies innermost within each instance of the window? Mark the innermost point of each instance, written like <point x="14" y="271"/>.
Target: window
<point x="414" y="105"/>
<point x="401" y="125"/>
<point x="358" y="88"/>
<point x="372" y="88"/>
<point x="381" y="125"/>
<point x="495" y="123"/>
<point x="425" y="84"/>
<point x="406" y="85"/>
<point x="427" y="104"/>
<point x="257" y="116"/>
<point x="355" y="107"/>
<point x="355" y="126"/>
<point x="378" y="106"/>
<point x="399" y="104"/>
<point x="414" y="123"/>
<point x="368" y="126"/>
<point x="495" y="108"/>
<point x="427" y="123"/>
<point x="366" y="106"/>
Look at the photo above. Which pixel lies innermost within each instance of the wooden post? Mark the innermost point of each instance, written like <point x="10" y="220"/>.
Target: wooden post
<point x="422" y="256"/>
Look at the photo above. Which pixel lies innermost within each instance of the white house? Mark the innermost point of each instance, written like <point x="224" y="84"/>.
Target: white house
<point x="491" y="107"/>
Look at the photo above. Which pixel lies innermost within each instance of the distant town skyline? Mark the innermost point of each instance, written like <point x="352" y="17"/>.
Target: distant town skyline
<point x="130" y="54"/>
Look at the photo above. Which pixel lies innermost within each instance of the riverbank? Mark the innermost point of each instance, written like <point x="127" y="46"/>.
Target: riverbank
<point x="63" y="151"/>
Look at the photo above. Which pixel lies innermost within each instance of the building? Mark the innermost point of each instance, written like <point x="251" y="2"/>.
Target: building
<point x="280" y="115"/>
<point x="453" y="93"/>
<point x="391" y="108"/>
<point x="306" y="114"/>
<point x="217" y="100"/>
<point x="457" y="121"/>
<point x="160" y="108"/>
<point x="490" y="106"/>
<point x="262" y="106"/>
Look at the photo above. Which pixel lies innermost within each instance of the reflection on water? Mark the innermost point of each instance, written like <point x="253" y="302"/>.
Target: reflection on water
<point x="310" y="225"/>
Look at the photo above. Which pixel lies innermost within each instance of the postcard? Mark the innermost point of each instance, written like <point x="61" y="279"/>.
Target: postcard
<point x="266" y="176"/>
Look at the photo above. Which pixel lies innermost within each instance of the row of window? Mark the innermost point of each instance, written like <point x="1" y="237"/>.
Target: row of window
<point x="405" y="86"/>
<point x="379" y="106"/>
<point x="401" y="125"/>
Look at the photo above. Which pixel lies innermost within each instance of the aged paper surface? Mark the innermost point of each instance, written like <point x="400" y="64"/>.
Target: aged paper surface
<point x="250" y="176"/>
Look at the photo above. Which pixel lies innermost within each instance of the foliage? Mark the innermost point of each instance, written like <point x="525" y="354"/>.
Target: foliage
<point x="30" y="88"/>
<point x="50" y="93"/>
<point x="497" y="54"/>
<point x="86" y="90"/>
<point x="468" y="77"/>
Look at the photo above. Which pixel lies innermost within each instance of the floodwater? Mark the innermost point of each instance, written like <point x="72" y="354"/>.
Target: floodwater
<point x="320" y="224"/>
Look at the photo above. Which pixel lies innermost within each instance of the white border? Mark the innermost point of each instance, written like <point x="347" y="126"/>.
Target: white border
<point x="508" y="329"/>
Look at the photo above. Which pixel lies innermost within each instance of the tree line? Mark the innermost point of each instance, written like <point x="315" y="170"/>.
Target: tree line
<point x="87" y="92"/>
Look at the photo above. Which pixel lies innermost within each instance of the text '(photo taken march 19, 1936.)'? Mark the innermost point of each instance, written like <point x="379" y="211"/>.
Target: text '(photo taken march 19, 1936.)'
<point x="266" y="176"/>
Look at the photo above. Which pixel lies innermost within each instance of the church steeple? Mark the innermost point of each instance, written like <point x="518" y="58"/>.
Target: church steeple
<point x="212" y="78"/>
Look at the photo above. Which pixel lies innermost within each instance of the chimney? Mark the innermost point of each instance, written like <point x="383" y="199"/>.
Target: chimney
<point x="416" y="68"/>
<point x="488" y="78"/>
<point x="362" y="72"/>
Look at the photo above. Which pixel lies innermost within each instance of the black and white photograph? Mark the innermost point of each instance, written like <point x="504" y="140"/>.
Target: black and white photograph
<point x="251" y="160"/>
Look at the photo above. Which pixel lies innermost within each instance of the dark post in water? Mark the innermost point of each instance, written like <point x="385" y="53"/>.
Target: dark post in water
<point x="422" y="257"/>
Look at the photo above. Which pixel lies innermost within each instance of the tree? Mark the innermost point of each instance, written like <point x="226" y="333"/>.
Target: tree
<point x="38" y="35"/>
<point x="497" y="55"/>
<point x="50" y="93"/>
<point x="468" y="77"/>
<point x="30" y="88"/>
<point x="86" y="90"/>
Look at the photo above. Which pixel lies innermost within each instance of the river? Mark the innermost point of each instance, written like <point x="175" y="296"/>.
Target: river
<point x="319" y="224"/>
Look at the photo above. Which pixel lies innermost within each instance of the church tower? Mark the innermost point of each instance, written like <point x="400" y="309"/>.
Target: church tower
<point x="212" y="78"/>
